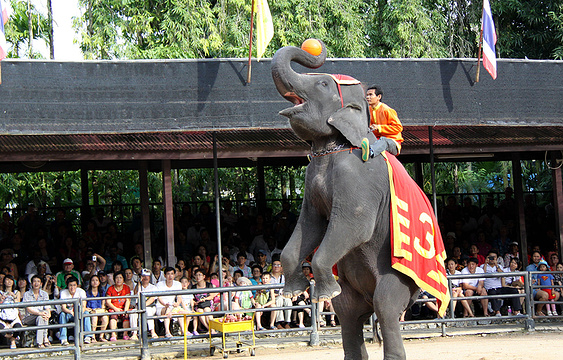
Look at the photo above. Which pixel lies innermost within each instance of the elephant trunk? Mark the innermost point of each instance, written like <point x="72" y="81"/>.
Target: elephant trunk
<point x="285" y="78"/>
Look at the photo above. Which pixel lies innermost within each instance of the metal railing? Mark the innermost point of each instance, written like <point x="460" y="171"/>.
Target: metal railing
<point x="76" y="325"/>
<point x="144" y="340"/>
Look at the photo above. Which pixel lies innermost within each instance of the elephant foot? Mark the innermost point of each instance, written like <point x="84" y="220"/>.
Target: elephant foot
<point x="295" y="286"/>
<point x="325" y="290"/>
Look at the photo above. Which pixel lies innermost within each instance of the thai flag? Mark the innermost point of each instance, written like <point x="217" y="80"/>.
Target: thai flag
<point x="3" y="20"/>
<point x="489" y="40"/>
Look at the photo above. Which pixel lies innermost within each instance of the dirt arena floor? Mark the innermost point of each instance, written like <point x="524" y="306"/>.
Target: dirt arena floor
<point x="513" y="346"/>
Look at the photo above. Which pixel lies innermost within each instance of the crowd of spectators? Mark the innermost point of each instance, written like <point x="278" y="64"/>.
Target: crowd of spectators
<point x="57" y="261"/>
<point x="482" y="240"/>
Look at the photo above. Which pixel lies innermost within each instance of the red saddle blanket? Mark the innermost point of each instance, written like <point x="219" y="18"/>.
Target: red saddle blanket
<point x="417" y="249"/>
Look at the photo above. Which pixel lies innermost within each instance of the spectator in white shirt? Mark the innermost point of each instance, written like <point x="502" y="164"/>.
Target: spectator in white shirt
<point x="166" y="304"/>
<point x="497" y="285"/>
<point x="38" y="315"/>
<point x="475" y="286"/>
<point x="145" y="286"/>
<point x="67" y="310"/>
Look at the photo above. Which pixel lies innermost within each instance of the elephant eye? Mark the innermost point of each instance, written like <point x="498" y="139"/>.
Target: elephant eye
<point x="323" y="83"/>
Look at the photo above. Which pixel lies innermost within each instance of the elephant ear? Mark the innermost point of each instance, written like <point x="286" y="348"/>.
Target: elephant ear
<point x="351" y="122"/>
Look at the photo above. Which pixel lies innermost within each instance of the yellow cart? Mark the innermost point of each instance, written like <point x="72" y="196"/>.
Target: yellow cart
<point x="231" y="328"/>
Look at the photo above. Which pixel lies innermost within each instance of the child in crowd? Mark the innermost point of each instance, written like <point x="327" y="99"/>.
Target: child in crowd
<point x="546" y="280"/>
<point x="243" y="299"/>
<point x="186" y="307"/>
<point x="263" y="299"/>
<point x="237" y="275"/>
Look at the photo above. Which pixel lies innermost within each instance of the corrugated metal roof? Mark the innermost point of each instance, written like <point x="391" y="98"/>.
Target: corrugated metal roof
<point x="191" y="141"/>
<point x="491" y="138"/>
<point x="261" y="142"/>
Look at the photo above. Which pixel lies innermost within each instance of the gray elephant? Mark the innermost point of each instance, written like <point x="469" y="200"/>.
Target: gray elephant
<point x="346" y="207"/>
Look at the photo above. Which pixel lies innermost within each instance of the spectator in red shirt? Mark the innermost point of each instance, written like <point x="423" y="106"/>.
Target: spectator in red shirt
<point x="118" y="304"/>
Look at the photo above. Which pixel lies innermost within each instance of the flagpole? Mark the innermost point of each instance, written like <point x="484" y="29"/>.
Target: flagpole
<point x="248" y="75"/>
<point x="480" y="46"/>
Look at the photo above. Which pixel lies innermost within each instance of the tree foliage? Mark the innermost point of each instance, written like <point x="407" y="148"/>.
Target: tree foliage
<point x="167" y="29"/>
<point x="406" y="28"/>
<point x="116" y="188"/>
<point x="529" y="28"/>
<point x="18" y="29"/>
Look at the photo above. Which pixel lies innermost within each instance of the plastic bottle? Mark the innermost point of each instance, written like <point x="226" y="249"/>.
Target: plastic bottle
<point x="509" y="311"/>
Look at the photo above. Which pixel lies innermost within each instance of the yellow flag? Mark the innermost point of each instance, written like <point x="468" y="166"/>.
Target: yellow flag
<point x="264" y="27"/>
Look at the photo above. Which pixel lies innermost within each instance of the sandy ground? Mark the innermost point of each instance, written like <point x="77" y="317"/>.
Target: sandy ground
<point x="514" y="346"/>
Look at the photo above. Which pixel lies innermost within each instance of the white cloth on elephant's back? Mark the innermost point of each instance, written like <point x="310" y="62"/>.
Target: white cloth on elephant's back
<point x="474" y="281"/>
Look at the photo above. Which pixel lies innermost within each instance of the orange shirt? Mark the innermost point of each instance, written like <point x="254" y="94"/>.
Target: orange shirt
<point x="388" y="123"/>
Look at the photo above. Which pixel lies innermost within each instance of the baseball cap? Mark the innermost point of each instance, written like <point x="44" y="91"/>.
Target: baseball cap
<point x="102" y="273"/>
<point x="68" y="261"/>
<point x="262" y="251"/>
<point x="514" y="243"/>
<point x="306" y="264"/>
<point x="452" y="234"/>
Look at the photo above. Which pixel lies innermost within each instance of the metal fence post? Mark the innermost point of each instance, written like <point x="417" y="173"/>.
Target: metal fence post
<point x="529" y="324"/>
<point x="373" y="322"/>
<point x="143" y="328"/>
<point x="78" y="318"/>
<point x="314" y="337"/>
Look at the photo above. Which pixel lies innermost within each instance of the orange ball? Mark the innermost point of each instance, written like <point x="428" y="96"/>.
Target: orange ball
<point x="312" y="46"/>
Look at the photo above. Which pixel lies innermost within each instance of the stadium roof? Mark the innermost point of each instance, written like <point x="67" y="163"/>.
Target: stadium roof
<point x="168" y="109"/>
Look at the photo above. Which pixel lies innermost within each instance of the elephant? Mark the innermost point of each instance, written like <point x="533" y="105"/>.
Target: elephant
<point x="346" y="207"/>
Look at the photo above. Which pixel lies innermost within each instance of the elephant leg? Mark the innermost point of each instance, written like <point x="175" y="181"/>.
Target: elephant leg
<point x="352" y="311"/>
<point x="392" y="296"/>
<point x="342" y="236"/>
<point x="306" y="237"/>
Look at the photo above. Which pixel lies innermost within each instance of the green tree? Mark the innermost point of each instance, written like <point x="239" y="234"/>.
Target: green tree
<point x="19" y="31"/>
<point x="405" y="28"/>
<point x="463" y="21"/>
<point x="340" y="24"/>
<point x="529" y="28"/>
<point x="200" y="28"/>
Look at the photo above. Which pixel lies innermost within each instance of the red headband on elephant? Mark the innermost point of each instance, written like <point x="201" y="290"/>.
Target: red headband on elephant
<point x="340" y="80"/>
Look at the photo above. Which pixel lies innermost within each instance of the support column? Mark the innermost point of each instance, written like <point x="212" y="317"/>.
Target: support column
<point x="168" y="211"/>
<point x="432" y="174"/>
<point x="217" y="211"/>
<point x="418" y="176"/>
<point x="519" y="198"/>
<point x="261" y="186"/>
<point x="557" y="181"/>
<point x="145" y="213"/>
<point x="85" y="203"/>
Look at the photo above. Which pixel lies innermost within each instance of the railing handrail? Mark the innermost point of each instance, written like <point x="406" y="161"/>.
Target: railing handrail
<point x="141" y="298"/>
<point x="487" y="275"/>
